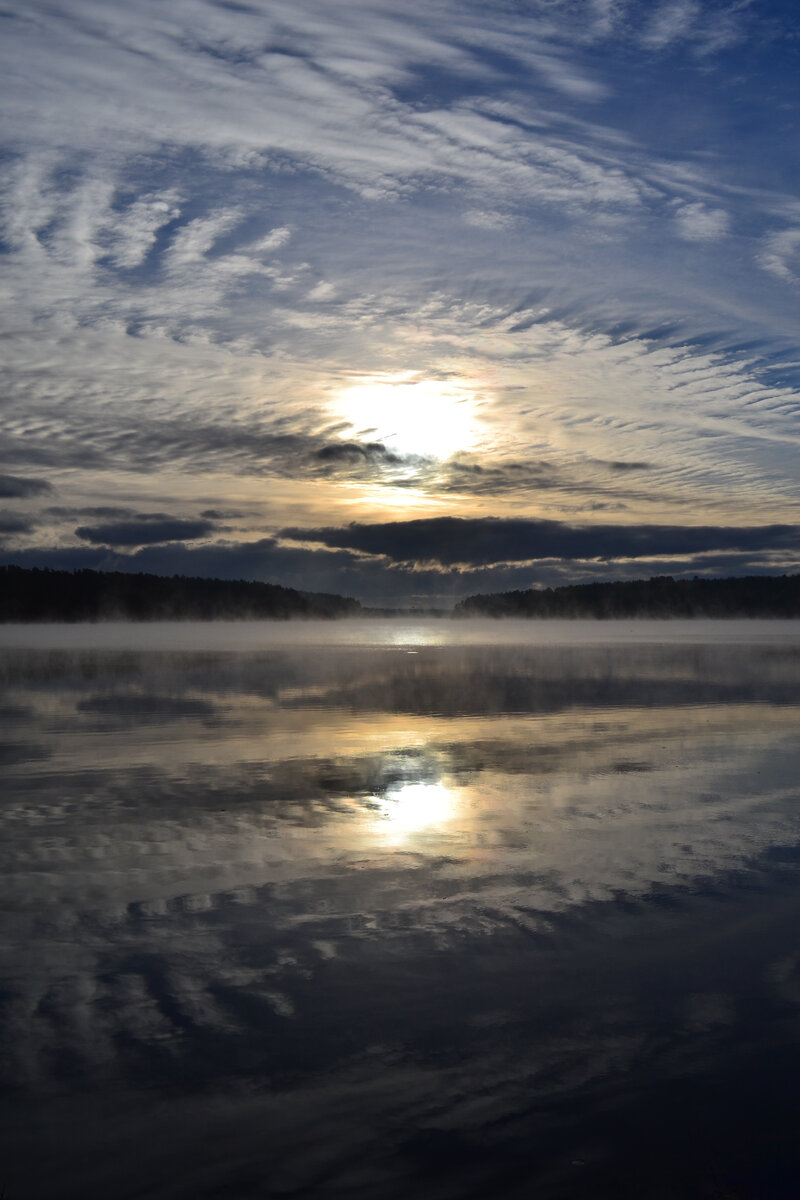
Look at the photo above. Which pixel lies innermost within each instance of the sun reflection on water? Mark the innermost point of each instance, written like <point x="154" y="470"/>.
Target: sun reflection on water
<point x="415" y="808"/>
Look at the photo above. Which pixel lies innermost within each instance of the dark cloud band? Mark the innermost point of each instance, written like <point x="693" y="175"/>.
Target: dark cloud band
<point x="454" y="541"/>
<point x="145" y="531"/>
<point x="17" y="488"/>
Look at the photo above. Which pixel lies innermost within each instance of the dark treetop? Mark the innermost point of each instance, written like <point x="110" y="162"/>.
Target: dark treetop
<point x="663" y="596"/>
<point x="44" y="595"/>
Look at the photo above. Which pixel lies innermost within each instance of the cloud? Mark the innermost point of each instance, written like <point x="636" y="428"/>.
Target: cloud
<point x="195" y="239"/>
<point x="136" y="228"/>
<point x="11" y="523"/>
<point x="488" y="218"/>
<point x="565" y="78"/>
<point x="275" y="197"/>
<point x="348" y="453"/>
<point x="623" y="465"/>
<point x="377" y="579"/>
<point x="781" y="255"/>
<point x="147" y="529"/>
<point x="707" y="28"/>
<point x="485" y="477"/>
<point x="272" y="241"/>
<point x="18" y="488"/>
<point x="698" y="223"/>
<point x="481" y="478"/>
<point x="607" y="16"/>
<point x="671" y="22"/>
<point x="485" y="541"/>
<point x="91" y="510"/>
<point x="298" y="82"/>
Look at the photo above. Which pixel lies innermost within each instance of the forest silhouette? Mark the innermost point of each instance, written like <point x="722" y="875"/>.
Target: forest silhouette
<point x="661" y="596"/>
<point x="43" y="594"/>
<point x="40" y="594"/>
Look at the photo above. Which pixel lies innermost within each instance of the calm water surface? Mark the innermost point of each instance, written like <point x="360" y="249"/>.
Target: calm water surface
<point x="447" y="910"/>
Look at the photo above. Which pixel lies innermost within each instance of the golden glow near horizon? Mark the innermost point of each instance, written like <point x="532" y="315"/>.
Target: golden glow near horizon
<point x="431" y="417"/>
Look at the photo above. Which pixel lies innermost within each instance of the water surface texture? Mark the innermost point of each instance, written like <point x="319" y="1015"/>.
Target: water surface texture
<point x="433" y="909"/>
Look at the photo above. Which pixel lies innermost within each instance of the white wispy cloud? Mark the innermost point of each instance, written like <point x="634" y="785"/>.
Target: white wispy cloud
<point x="196" y="238"/>
<point x="699" y="223"/>
<point x="781" y="255"/>
<point x="607" y="16"/>
<point x="298" y="82"/>
<point x="136" y="228"/>
<point x="708" y="28"/>
<point x="671" y="22"/>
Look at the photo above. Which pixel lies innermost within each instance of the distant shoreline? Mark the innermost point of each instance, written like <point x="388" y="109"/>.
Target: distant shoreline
<point x="659" y="598"/>
<point x="32" y="595"/>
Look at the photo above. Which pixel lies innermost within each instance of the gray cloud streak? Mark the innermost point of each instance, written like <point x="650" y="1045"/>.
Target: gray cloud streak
<point x="148" y="529"/>
<point x="18" y="488"/>
<point x="453" y="541"/>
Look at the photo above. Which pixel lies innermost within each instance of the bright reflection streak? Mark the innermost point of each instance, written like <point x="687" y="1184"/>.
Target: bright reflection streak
<point x="415" y="808"/>
<point x="417" y="634"/>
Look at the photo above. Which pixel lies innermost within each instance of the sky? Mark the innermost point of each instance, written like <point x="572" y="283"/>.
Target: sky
<point x="401" y="301"/>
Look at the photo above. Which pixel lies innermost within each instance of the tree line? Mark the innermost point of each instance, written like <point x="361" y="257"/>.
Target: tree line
<point x="42" y="594"/>
<point x="661" y="596"/>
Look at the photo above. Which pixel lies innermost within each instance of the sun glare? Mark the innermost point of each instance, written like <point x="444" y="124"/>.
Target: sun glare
<point x="433" y="418"/>
<point x="415" y="808"/>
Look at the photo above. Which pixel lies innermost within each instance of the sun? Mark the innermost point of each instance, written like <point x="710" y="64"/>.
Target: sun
<point x="432" y="418"/>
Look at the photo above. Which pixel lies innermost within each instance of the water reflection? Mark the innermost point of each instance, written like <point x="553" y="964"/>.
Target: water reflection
<point x="364" y="921"/>
<point x="413" y="808"/>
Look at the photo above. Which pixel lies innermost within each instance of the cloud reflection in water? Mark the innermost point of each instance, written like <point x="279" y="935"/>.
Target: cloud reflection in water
<point x="304" y="894"/>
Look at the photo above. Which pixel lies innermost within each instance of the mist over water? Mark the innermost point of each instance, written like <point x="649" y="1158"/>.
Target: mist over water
<point x="353" y="631"/>
<point x="436" y="908"/>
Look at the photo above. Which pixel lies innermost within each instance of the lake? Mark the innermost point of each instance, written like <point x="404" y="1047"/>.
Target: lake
<point x="378" y="910"/>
